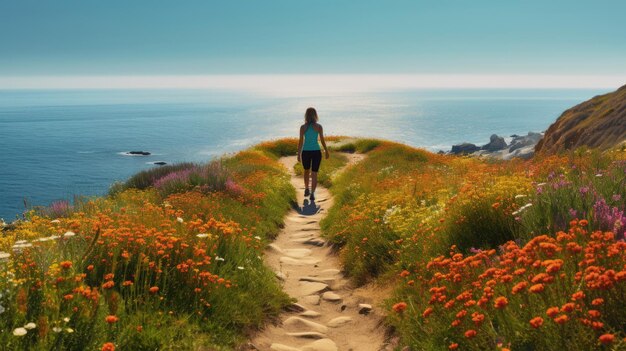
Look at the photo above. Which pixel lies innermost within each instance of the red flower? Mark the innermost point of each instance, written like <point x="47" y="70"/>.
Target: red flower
<point x="154" y="290"/>
<point x="111" y="319"/>
<point x="501" y="302"/>
<point x="66" y="264"/>
<point x="606" y="338"/>
<point x="109" y="346"/>
<point x="536" y="322"/>
<point x="470" y="333"/>
<point x="399" y="307"/>
<point x="453" y="346"/>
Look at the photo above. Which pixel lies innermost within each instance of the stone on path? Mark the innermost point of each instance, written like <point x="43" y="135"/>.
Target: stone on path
<point x="365" y="308"/>
<point x="300" y="323"/>
<point x="280" y="275"/>
<point x="298" y="261"/>
<point x="275" y="248"/>
<point x="331" y="296"/>
<point x="308" y="335"/>
<point x="301" y="236"/>
<point x="281" y="347"/>
<point x="310" y="314"/>
<point x="339" y="321"/>
<point x="321" y="345"/>
<point x="312" y="299"/>
<point x="325" y="280"/>
<point x="308" y="288"/>
<point x="315" y="242"/>
<point x="297" y="253"/>
<point x="330" y="271"/>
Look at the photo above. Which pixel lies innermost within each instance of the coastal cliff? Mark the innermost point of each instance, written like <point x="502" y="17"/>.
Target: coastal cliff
<point x="596" y="123"/>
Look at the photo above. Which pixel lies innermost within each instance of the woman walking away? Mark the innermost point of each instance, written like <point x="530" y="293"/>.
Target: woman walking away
<point x="309" y="152"/>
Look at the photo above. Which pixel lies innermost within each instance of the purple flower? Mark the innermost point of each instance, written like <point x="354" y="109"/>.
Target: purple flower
<point x="584" y="190"/>
<point x="609" y="218"/>
<point x="573" y="213"/>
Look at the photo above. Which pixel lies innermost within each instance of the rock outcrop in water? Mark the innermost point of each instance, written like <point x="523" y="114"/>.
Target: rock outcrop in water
<point x="138" y="153"/>
<point x="596" y="123"/>
<point x="519" y="147"/>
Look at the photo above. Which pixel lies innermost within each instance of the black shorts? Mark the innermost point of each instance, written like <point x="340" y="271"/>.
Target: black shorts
<point x="312" y="159"/>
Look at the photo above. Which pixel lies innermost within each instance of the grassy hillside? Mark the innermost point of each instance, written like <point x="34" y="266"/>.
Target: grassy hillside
<point x="487" y="255"/>
<point x="172" y="259"/>
<point x="596" y="123"/>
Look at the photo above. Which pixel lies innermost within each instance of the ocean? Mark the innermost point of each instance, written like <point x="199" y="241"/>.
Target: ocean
<point x="55" y="144"/>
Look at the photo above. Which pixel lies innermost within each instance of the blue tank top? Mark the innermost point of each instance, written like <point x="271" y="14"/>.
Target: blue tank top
<point x="310" y="139"/>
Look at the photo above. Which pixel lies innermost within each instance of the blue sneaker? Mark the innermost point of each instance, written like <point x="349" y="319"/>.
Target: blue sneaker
<point x="307" y="192"/>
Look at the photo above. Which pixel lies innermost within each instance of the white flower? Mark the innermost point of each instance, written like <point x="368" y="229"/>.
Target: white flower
<point x="180" y="220"/>
<point x="69" y="330"/>
<point x="69" y="234"/>
<point x="4" y="255"/>
<point x="66" y="319"/>
<point x="519" y="196"/>
<point x="55" y="221"/>
<point x="20" y="242"/>
<point x="30" y="326"/>
<point x="240" y="268"/>
<point x="257" y="237"/>
<point x="521" y="209"/>
<point x="599" y="175"/>
<point x="217" y="258"/>
<point x="202" y="235"/>
<point x="56" y="329"/>
<point x="20" y="331"/>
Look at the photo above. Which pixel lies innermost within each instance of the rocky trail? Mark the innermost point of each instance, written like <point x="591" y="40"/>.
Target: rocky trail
<point x="330" y="314"/>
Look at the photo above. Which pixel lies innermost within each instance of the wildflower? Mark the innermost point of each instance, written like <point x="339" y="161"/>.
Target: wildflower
<point x="453" y="346"/>
<point x="399" y="307"/>
<point x="66" y="264"/>
<point x="66" y="319"/>
<point x="57" y="329"/>
<point x="217" y="258"/>
<point x="4" y="255"/>
<point x="90" y="267"/>
<point x="202" y="235"/>
<point x="109" y="346"/>
<point x="562" y="319"/>
<point x="606" y="339"/>
<point x="179" y="220"/>
<point x="240" y="268"/>
<point x="69" y="330"/>
<point x="537" y="288"/>
<point x="154" y="290"/>
<point x="30" y="326"/>
<point x="470" y="333"/>
<point x="20" y="331"/>
<point x="69" y="234"/>
<point x="55" y="221"/>
<point x="552" y="312"/>
<point x="427" y="312"/>
<point x="597" y="302"/>
<point x="111" y="319"/>
<point x="501" y="302"/>
<point x="536" y="322"/>
<point x="257" y="237"/>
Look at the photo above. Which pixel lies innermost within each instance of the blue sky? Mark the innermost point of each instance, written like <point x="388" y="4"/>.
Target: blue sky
<point x="151" y="37"/>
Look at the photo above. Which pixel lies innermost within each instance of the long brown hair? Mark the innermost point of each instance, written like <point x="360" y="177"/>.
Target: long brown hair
<point x="310" y="116"/>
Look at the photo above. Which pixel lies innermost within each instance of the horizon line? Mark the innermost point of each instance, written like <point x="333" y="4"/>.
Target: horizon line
<point x="312" y="83"/>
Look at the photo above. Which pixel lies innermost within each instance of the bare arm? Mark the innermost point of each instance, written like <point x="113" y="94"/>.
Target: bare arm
<point x="321" y="131"/>
<point x="300" y="143"/>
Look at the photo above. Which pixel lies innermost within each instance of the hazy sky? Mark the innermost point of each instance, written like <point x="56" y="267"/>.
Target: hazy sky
<point x="151" y="37"/>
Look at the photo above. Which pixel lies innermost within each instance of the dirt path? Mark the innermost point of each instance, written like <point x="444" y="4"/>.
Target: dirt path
<point x="329" y="314"/>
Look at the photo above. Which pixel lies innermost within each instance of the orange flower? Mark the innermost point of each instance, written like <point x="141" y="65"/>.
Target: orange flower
<point x="562" y="319"/>
<point x="108" y="285"/>
<point x="606" y="338"/>
<point x="154" y="290"/>
<point x="578" y="295"/>
<point x="470" y="333"/>
<point x="501" y="302"/>
<point x="404" y="273"/>
<point x="568" y="307"/>
<point x="453" y="346"/>
<point x="537" y="288"/>
<point x="399" y="307"/>
<point x="66" y="264"/>
<point x="90" y="268"/>
<point x="109" y="346"/>
<point x="68" y="297"/>
<point x="427" y="312"/>
<point x="111" y="319"/>
<point x="583" y="223"/>
<point x="597" y="302"/>
<point x="552" y="312"/>
<point x="536" y="322"/>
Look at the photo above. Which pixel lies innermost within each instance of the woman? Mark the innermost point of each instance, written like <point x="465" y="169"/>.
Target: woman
<point x="309" y="152"/>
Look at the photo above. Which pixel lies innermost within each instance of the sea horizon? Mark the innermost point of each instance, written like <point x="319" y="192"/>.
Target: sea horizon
<point x="64" y="142"/>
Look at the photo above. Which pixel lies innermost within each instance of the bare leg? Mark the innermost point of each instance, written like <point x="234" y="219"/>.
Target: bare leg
<point x="313" y="181"/>
<point x="306" y="178"/>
